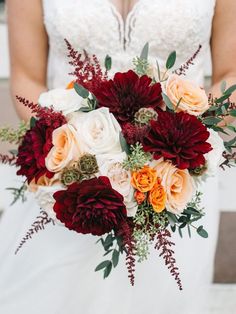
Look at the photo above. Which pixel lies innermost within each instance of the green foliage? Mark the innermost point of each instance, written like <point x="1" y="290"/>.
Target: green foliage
<point x="147" y="224"/>
<point x="81" y="91"/>
<point x="140" y="66"/>
<point x="137" y="158"/>
<point x="18" y="193"/>
<point x="108" y="63"/>
<point x="145" y="52"/>
<point x="12" y="136"/>
<point x="171" y="60"/>
<point x="190" y="215"/>
<point x="112" y="246"/>
<point x="168" y="102"/>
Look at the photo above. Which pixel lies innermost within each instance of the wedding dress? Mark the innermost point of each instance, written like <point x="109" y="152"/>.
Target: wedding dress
<point x="54" y="272"/>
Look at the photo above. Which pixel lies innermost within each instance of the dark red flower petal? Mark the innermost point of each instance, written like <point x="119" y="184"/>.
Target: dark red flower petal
<point x="91" y="206"/>
<point x="179" y="137"/>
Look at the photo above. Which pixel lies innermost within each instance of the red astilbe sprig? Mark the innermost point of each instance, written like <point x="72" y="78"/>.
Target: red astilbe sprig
<point x="87" y="69"/>
<point x="42" y="112"/>
<point x="39" y="224"/>
<point x="8" y="160"/>
<point x="184" y="67"/>
<point x="126" y="232"/>
<point x="164" y="245"/>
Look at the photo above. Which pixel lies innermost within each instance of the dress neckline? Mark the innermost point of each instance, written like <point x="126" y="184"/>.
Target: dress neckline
<point x="126" y="19"/>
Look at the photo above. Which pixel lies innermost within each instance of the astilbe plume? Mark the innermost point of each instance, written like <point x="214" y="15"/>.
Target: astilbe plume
<point x="8" y="160"/>
<point x="184" y="67"/>
<point x="134" y="133"/>
<point x="126" y="232"/>
<point x="164" y="245"/>
<point x="39" y="224"/>
<point x="47" y="114"/>
<point x="87" y="69"/>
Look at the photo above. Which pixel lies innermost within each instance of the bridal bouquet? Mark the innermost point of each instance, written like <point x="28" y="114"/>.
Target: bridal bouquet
<point x="123" y="157"/>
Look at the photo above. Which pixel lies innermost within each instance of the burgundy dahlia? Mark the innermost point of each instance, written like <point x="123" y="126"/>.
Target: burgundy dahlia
<point x="35" y="146"/>
<point x="91" y="206"/>
<point x="127" y="93"/>
<point x="179" y="137"/>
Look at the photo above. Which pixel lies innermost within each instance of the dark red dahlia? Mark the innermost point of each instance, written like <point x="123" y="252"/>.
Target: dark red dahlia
<point x="35" y="146"/>
<point x="127" y="93"/>
<point x="91" y="206"/>
<point x="179" y="137"/>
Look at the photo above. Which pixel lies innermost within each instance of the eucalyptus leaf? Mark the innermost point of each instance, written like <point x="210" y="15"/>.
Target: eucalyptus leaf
<point x="124" y="144"/>
<point x="172" y="218"/>
<point x="202" y="232"/>
<point x="145" y="52"/>
<point x="222" y="98"/>
<point x="167" y="101"/>
<point x="108" y="62"/>
<point x="107" y="270"/>
<point x="180" y="232"/>
<point x="189" y="232"/>
<point x="233" y="113"/>
<point x="115" y="258"/>
<point x="158" y="70"/>
<point x="171" y="60"/>
<point x="81" y="91"/>
<point x="32" y="122"/>
<point x="211" y="120"/>
<point x="231" y="89"/>
<point x="102" y="265"/>
<point x="13" y="151"/>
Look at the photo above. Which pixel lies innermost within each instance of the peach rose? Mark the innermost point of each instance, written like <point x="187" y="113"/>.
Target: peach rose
<point x="139" y="197"/>
<point x="43" y="181"/>
<point x="144" y="179"/>
<point x="66" y="148"/>
<point x="157" y="197"/>
<point x="193" y="99"/>
<point x="177" y="183"/>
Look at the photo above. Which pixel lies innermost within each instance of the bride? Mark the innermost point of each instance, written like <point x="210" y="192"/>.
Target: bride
<point x="54" y="274"/>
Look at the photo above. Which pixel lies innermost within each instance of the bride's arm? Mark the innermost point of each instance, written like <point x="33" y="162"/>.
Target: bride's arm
<point x="28" y="51"/>
<point x="223" y="46"/>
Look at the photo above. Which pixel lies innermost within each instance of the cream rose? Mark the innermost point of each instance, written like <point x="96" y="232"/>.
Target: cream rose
<point x="98" y="130"/>
<point x="213" y="159"/>
<point x="177" y="183"/>
<point x="65" y="100"/>
<point x="66" y="148"/>
<point x="120" y="179"/>
<point x="193" y="99"/>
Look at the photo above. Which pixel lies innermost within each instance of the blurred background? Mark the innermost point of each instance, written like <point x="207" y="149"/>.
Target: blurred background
<point x="224" y="286"/>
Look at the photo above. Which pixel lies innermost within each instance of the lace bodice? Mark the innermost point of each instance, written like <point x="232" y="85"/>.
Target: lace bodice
<point x="98" y="27"/>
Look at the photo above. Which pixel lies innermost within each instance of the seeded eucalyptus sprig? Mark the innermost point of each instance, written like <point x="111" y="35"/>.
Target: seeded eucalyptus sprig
<point x="137" y="158"/>
<point x="12" y="136"/>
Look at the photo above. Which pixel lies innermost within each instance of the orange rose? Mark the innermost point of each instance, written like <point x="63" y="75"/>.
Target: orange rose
<point x="66" y="148"/>
<point x="144" y="179"/>
<point x="70" y="85"/>
<point x="193" y="98"/>
<point x="157" y="197"/>
<point x="140" y="197"/>
<point x="178" y="185"/>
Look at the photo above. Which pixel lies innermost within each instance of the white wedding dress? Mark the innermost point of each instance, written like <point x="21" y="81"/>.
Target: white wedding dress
<point x="54" y="272"/>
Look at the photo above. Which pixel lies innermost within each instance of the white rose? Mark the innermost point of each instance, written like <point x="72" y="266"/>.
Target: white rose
<point x="98" y="130"/>
<point x="120" y="179"/>
<point x="214" y="158"/>
<point x="45" y="200"/>
<point x="65" y="100"/>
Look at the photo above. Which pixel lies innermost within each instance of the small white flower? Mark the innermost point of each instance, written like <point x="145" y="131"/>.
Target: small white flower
<point x="65" y="100"/>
